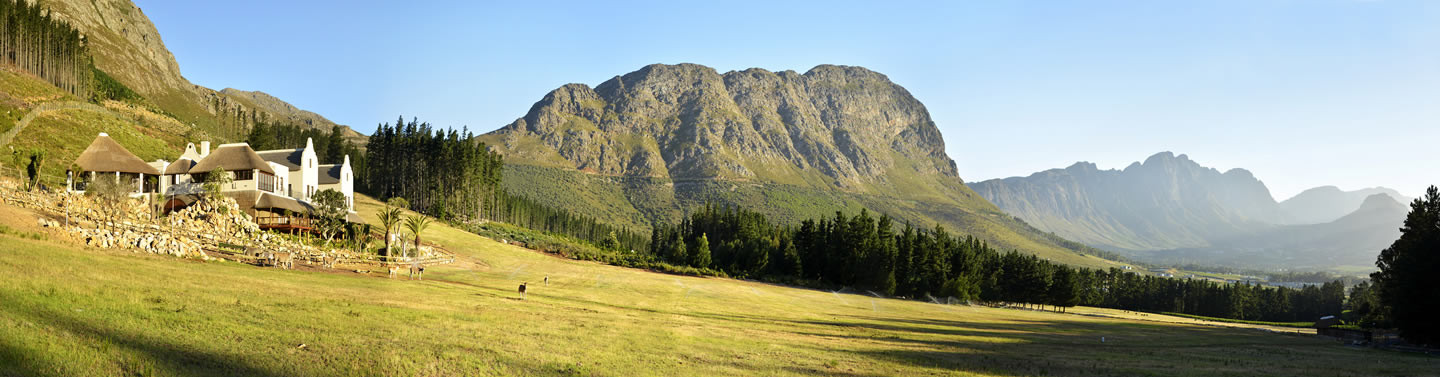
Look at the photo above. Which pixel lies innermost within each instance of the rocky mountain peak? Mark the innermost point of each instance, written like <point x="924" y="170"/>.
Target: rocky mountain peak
<point x="832" y="126"/>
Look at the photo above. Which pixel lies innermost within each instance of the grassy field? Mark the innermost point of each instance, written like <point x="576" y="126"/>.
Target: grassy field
<point x="70" y="310"/>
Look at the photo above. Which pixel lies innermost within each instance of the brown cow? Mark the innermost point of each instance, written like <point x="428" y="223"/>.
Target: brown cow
<point x="394" y="270"/>
<point x="522" y="291"/>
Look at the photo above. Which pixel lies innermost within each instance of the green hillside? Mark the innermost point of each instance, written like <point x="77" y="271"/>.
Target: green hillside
<point x="71" y="310"/>
<point x="61" y="125"/>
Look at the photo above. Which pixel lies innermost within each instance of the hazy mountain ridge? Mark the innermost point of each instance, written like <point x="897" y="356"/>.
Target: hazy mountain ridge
<point x="1328" y="203"/>
<point x="1170" y="209"/>
<point x="1166" y="202"/>
<point x="1352" y="240"/>
<point x="663" y="139"/>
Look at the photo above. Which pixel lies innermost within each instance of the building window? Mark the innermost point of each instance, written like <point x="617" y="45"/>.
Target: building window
<point x="244" y="175"/>
<point x="267" y="182"/>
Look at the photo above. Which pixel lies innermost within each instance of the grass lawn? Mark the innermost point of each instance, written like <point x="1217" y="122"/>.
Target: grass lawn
<point x="70" y="310"/>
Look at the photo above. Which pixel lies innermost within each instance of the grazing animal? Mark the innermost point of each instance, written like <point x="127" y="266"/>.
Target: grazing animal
<point x="329" y="261"/>
<point x="547" y="280"/>
<point x="285" y="260"/>
<point x="522" y="291"/>
<point x="266" y="258"/>
<point x="394" y="270"/>
<point x="417" y="271"/>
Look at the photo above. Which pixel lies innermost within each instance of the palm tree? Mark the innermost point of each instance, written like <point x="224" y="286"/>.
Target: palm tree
<point x="389" y="218"/>
<point x="416" y="224"/>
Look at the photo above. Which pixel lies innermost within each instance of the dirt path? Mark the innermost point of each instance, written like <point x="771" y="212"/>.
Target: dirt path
<point x="1121" y="314"/>
<point x="45" y="108"/>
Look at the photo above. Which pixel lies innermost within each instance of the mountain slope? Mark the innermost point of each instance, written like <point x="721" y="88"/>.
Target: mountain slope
<point x="651" y="144"/>
<point x="1328" y="203"/>
<point x="1172" y="210"/>
<point x="1166" y="202"/>
<point x="128" y="47"/>
<point x="1352" y="241"/>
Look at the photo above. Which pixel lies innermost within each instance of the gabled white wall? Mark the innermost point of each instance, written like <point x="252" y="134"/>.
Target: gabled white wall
<point x="347" y="183"/>
<point x="309" y="168"/>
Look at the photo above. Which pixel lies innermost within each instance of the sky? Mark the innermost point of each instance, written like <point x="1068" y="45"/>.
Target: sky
<point x="1302" y="93"/>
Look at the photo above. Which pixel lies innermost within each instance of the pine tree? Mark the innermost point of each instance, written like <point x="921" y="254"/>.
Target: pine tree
<point x="700" y="254"/>
<point x="1407" y="279"/>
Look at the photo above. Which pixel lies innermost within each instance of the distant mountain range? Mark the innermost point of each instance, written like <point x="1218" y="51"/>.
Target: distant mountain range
<point x="1171" y="209"/>
<point x="1352" y="240"/>
<point x="1328" y="203"/>
<point x="653" y="144"/>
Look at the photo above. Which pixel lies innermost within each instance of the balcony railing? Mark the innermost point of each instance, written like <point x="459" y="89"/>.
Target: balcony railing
<point x="284" y="222"/>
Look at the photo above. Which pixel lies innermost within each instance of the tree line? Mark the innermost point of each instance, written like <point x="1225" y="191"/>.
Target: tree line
<point x="330" y="147"/>
<point x="32" y="39"/>
<point x="868" y="253"/>
<point x="525" y="212"/>
<point x="451" y="175"/>
<point x="1403" y="294"/>
<point x="446" y="174"/>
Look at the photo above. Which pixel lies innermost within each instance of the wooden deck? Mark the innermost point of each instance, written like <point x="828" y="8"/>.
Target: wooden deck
<point x="285" y="223"/>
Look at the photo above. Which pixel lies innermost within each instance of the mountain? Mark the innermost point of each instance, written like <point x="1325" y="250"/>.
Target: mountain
<point x="1166" y="202"/>
<point x="1352" y="240"/>
<point x="1328" y="203"/>
<point x="1172" y="210"/>
<point x="652" y="144"/>
<point x="127" y="46"/>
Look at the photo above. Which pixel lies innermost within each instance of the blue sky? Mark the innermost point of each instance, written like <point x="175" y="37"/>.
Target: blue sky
<point x="1303" y="93"/>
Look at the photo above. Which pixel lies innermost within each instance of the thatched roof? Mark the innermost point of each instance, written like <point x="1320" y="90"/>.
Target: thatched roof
<point x="272" y="201"/>
<point x="106" y="155"/>
<point x="180" y="167"/>
<point x="232" y="157"/>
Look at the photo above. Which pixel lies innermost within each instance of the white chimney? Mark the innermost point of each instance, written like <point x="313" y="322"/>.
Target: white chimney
<point x="204" y="149"/>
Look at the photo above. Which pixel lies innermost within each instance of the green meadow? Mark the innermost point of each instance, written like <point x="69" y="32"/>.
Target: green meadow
<point x="70" y="310"/>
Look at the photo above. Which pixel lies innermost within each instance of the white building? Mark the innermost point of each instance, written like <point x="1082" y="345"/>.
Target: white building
<point x="339" y="177"/>
<point x="303" y="177"/>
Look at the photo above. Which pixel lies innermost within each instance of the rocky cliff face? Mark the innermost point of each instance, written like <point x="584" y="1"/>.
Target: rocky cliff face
<point x="128" y="47"/>
<point x="1166" y="202"/>
<point x="123" y="42"/>
<point x="843" y="126"/>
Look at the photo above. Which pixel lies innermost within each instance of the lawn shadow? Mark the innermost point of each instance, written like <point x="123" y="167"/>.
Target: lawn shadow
<point x="174" y="358"/>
